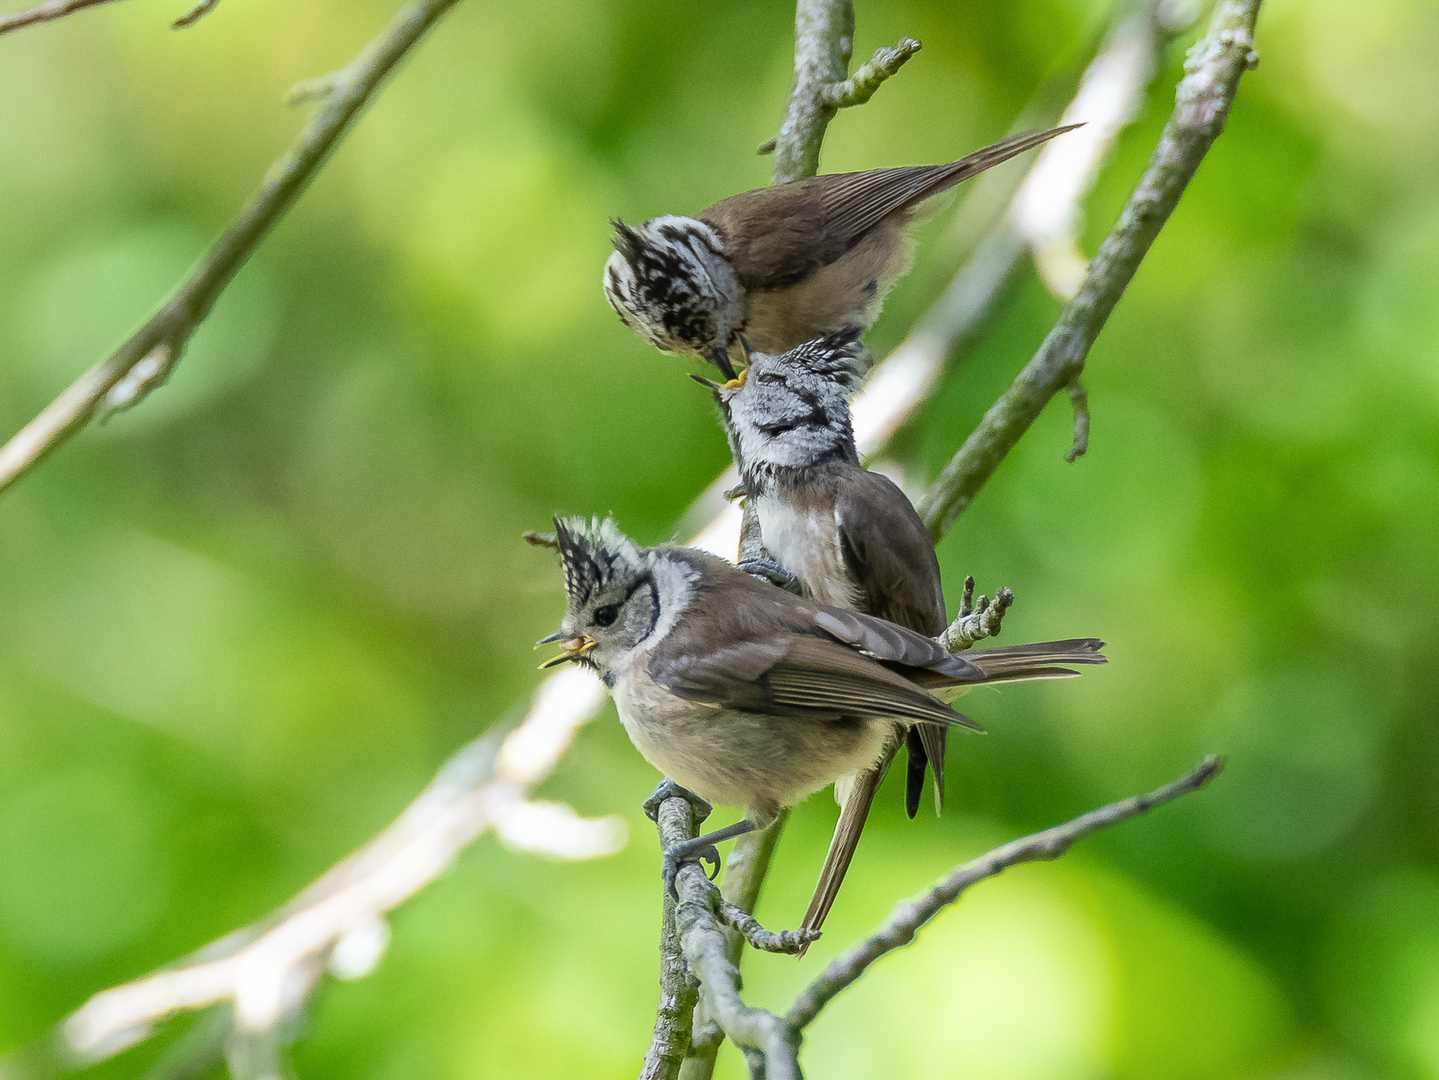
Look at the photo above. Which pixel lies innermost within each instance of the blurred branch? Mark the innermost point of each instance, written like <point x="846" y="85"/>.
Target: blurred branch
<point x="47" y="12"/>
<point x="1204" y="96"/>
<point x="906" y="919"/>
<point x="195" y="14"/>
<point x="265" y="973"/>
<point x="145" y="360"/>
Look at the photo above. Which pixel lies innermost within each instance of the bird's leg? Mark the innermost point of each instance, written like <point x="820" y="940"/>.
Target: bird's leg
<point x="766" y="569"/>
<point x="700" y="850"/>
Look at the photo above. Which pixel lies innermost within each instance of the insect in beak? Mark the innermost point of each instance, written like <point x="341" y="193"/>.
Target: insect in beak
<point x="544" y="540"/>
<point x="710" y="383"/>
<point x="575" y="648"/>
<point x="737" y="381"/>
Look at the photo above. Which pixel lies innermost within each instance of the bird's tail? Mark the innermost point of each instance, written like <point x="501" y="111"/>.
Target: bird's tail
<point x="852" y="815"/>
<point x="945" y="177"/>
<point x="1042" y="660"/>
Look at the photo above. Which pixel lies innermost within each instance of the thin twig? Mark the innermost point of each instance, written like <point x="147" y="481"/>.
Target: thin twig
<point x="860" y="87"/>
<point x="906" y="919"/>
<point x="170" y="327"/>
<point x="1203" y="99"/>
<point x="749" y="928"/>
<point x="47" y="12"/>
<point x="823" y="44"/>
<point x="195" y="14"/>
<point x="1079" y="399"/>
<point x="976" y="621"/>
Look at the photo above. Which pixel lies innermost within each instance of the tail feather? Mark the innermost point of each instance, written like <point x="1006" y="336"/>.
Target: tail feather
<point x="852" y="816"/>
<point x="1041" y="660"/>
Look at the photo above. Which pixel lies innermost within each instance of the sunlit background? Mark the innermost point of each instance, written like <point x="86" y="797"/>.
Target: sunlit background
<point x="241" y="625"/>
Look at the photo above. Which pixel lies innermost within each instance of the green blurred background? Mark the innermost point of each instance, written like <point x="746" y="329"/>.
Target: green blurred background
<point x="241" y="625"/>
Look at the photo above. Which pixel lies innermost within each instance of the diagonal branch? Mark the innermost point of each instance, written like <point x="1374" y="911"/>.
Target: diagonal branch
<point x="899" y="929"/>
<point x="1203" y="99"/>
<point x="46" y="12"/>
<point x="146" y="359"/>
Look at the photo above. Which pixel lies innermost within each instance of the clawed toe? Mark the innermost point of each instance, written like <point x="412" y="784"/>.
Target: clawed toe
<point x="772" y="572"/>
<point x="668" y="789"/>
<point x="678" y="856"/>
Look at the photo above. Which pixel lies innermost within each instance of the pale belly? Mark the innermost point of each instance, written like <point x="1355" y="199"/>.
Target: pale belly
<point x="759" y="763"/>
<point x="807" y="544"/>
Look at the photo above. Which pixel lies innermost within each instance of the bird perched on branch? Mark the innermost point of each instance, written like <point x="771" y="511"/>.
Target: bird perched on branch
<point x="783" y="264"/>
<point x="850" y="537"/>
<point x="747" y="695"/>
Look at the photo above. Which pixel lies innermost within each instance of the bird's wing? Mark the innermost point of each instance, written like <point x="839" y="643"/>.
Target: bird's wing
<point x="888" y="552"/>
<point x="890" y="557"/>
<point x="778" y="236"/>
<point x="797" y="674"/>
<point x="854" y="203"/>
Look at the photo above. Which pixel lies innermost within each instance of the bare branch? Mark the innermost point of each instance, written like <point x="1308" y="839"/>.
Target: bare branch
<point x="906" y="919"/>
<point x="976" y="621"/>
<point x="1203" y="99"/>
<point x="749" y="928"/>
<point x="678" y="991"/>
<point x="860" y="87"/>
<point x="755" y="1031"/>
<point x="1079" y="399"/>
<point x="170" y="327"/>
<point x="195" y="14"/>
<point x="47" y="12"/>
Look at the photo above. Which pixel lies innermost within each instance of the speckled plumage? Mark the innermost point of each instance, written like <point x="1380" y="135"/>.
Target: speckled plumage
<point x="781" y="265"/>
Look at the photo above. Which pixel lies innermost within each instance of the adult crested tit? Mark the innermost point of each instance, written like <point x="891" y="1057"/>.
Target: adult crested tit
<point x="746" y="694"/>
<point x="783" y="264"/>
<point x="849" y="535"/>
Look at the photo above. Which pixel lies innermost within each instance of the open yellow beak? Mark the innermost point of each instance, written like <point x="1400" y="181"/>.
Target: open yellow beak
<point x="575" y="648"/>
<point x="737" y="381"/>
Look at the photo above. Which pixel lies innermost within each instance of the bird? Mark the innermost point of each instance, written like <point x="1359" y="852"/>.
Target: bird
<point x="849" y="536"/>
<point x="783" y="264"/>
<point x="747" y="695"/>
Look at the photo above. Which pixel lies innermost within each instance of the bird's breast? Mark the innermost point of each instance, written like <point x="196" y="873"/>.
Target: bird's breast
<point x="805" y="538"/>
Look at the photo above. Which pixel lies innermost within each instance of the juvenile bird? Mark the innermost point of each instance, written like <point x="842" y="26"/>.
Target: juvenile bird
<point x="783" y="264"/>
<point x="849" y="535"/>
<point x="746" y="694"/>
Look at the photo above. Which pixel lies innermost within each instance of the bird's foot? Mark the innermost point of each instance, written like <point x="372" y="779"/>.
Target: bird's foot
<point x="772" y="572"/>
<point x="688" y="852"/>
<point x="668" y="789"/>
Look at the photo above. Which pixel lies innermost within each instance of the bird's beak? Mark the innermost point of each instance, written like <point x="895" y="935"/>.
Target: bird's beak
<point x="575" y="648"/>
<point x="720" y="360"/>
<point x="544" y="540"/>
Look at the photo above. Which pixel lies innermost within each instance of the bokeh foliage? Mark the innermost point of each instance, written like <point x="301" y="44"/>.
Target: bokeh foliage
<point x="241" y="625"/>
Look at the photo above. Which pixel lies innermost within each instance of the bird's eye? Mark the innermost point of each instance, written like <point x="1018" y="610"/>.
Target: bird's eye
<point x="771" y="378"/>
<point x="606" y="615"/>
